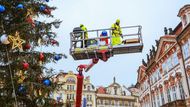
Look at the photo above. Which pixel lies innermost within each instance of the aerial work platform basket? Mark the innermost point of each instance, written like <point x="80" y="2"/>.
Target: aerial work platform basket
<point x="100" y="41"/>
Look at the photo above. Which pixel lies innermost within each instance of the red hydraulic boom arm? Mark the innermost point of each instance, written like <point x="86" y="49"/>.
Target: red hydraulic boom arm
<point x="80" y="77"/>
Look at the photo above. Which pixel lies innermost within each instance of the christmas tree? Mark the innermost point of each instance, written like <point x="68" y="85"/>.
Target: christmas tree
<point x="23" y="80"/>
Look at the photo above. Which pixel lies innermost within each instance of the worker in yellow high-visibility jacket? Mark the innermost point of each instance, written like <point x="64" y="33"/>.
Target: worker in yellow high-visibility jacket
<point x="83" y="28"/>
<point x="116" y="33"/>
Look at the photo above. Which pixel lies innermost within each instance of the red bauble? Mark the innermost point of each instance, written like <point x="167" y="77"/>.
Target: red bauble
<point x="31" y="21"/>
<point x="25" y="65"/>
<point x="47" y="11"/>
<point x="27" y="46"/>
<point x="54" y="42"/>
<point x="41" y="56"/>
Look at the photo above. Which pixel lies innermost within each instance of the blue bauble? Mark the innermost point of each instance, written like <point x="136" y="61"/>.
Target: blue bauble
<point x="47" y="0"/>
<point x="42" y="7"/>
<point x="47" y="82"/>
<point x="2" y="8"/>
<point x="57" y="57"/>
<point x="21" y="89"/>
<point x="20" y="6"/>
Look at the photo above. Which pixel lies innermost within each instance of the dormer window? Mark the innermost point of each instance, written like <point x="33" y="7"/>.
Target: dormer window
<point x="88" y="88"/>
<point x="115" y="90"/>
<point x="184" y="14"/>
<point x="184" y="20"/>
<point x="166" y="47"/>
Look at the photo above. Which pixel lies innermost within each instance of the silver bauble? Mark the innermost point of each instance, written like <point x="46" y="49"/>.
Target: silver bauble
<point x="4" y="39"/>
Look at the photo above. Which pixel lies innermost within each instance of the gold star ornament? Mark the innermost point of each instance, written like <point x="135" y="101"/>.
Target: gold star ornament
<point x="16" y="41"/>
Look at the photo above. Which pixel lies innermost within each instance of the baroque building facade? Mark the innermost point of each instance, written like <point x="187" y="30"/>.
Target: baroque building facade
<point x="164" y="79"/>
<point x="66" y="92"/>
<point x="114" y="95"/>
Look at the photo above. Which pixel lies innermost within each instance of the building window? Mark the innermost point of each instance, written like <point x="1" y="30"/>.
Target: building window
<point x="106" y="102"/>
<point x="123" y="103"/>
<point x="87" y="97"/>
<point x="112" y="103"/>
<point x="164" y="68"/>
<point x="185" y="49"/>
<point x="90" y="98"/>
<point x="73" y="96"/>
<point x="115" y="90"/>
<point x="88" y="88"/>
<point x="158" y="74"/>
<point x="158" y="101"/>
<point x="70" y="96"/>
<point x="101" y="102"/>
<point x="174" y="93"/>
<point x="116" y="103"/>
<point x="151" y="80"/>
<point x="175" y="59"/>
<point x="185" y="20"/>
<point x="98" y="101"/>
<point x="169" y="63"/>
<point x="155" y="77"/>
<point x="154" y="100"/>
<point x="129" y="104"/>
<point x="70" y="87"/>
<point x="168" y="95"/>
<point x="181" y="91"/>
<point x="162" y="97"/>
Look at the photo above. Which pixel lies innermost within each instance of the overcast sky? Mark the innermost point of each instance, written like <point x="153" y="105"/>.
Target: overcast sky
<point x="152" y="15"/>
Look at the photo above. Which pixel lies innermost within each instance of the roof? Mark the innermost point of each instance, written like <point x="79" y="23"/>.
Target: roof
<point x="180" y="36"/>
<point x="185" y="7"/>
<point x="114" y="84"/>
<point x="178" y="29"/>
<point x="101" y="90"/>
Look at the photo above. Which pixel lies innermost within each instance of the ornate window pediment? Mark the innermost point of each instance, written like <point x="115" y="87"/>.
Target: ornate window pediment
<point x="172" y="80"/>
<point x="166" y="84"/>
<point x="160" y="88"/>
<point x="70" y="80"/>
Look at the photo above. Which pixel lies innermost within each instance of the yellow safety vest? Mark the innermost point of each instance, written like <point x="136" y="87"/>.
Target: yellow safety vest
<point x="85" y="33"/>
<point x="116" y="30"/>
<point x="116" y="33"/>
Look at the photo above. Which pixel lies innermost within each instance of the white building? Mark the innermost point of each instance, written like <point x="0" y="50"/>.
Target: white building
<point x="164" y="79"/>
